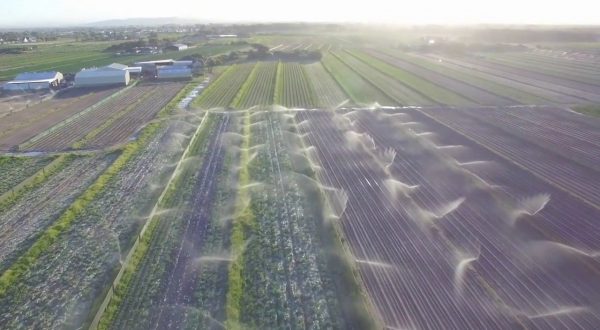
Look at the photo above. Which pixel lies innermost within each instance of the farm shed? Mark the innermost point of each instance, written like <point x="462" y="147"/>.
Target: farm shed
<point x="174" y="72"/>
<point x="114" y="74"/>
<point x="34" y="81"/>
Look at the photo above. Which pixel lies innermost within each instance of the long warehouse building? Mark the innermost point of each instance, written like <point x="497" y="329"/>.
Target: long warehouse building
<point x="110" y="75"/>
<point x="34" y="81"/>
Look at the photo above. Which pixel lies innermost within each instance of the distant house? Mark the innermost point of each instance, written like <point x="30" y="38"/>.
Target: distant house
<point x="114" y="74"/>
<point x="177" y="47"/>
<point x="34" y="81"/>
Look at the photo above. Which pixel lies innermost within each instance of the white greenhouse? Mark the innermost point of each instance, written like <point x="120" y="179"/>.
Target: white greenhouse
<point x="114" y="74"/>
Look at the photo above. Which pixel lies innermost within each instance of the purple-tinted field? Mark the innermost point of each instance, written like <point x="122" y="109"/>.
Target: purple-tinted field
<point x="450" y="235"/>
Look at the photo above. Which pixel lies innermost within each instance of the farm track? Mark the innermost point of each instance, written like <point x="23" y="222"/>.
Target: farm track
<point x="22" y="126"/>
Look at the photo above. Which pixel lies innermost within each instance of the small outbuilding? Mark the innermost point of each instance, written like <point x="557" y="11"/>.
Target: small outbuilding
<point x="114" y="74"/>
<point x="177" y="47"/>
<point x="35" y="81"/>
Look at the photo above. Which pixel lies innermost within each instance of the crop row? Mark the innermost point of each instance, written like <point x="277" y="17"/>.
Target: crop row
<point x="23" y="125"/>
<point x="398" y="90"/>
<point x="549" y="87"/>
<point x="328" y="92"/>
<point x="162" y="275"/>
<point x="577" y="143"/>
<point x="38" y="207"/>
<point x="429" y="89"/>
<point x="582" y="78"/>
<point x="475" y="88"/>
<point x="222" y="92"/>
<point x="358" y="89"/>
<point x="76" y="130"/>
<point x="560" y="171"/>
<point x="434" y="246"/>
<point x="145" y="110"/>
<point x="294" y="90"/>
<point x="280" y="278"/>
<point x="259" y="88"/>
<point x="14" y="170"/>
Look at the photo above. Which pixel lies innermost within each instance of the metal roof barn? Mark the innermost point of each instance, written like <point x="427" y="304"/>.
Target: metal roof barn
<point x="33" y="81"/>
<point x="174" y="72"/>
<point x="114" y="74"/>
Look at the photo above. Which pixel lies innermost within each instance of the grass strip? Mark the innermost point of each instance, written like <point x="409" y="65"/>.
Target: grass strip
<point x="242" y="94"/>
<point x="243" y="219"/>
<point x="590" y="109"/>
<point x="277" y="97"/>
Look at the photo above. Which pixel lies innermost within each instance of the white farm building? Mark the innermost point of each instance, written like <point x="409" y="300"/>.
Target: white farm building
<point x="34" y="81"/>
<point x="114" y="74"/>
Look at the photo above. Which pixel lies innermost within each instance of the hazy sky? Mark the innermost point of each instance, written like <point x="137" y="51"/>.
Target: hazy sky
<point x="43" y="12"/>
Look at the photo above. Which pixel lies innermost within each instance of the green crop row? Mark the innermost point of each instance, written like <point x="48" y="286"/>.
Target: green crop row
<point x="243" y="218"/>
<point x="278" y="95"/>
<point x="245" y="89"/>
<point x="221" y="92"/>
<point x="359" y="90"/>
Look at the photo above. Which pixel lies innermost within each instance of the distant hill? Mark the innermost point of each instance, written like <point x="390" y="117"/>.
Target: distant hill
<point x="146" y="22"/>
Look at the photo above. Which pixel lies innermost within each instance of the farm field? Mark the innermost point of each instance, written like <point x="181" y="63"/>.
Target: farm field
<point x="437" y="186"/>
<point x="109" y="122"/>
<point x="72" y="57"/>
<point x="368" y="187"/>
<point x="20" y="126"/>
